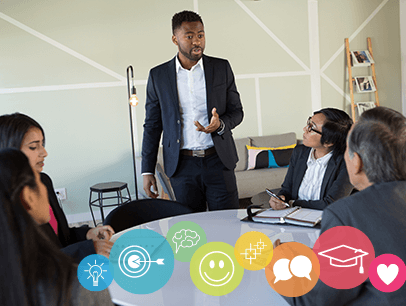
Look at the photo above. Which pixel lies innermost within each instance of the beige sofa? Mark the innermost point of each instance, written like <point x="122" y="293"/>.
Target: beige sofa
<point x="252" y="182"/>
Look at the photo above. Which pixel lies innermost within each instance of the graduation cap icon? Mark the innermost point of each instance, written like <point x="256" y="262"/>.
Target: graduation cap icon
<point x="344" y="256"/>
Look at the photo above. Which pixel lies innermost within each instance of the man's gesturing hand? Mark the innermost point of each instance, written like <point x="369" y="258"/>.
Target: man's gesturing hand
<point x="212" y="127"/>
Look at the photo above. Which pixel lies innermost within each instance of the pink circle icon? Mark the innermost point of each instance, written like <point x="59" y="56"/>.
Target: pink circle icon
<point x="345" y="254"/>
<point x="387" y="273"/>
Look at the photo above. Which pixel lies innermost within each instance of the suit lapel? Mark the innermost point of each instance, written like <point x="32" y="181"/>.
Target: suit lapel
<point x="172" y="83"/>
<point x="302" y="167"/>
<point x="208" y="75"/>
<point x="63" y="230"/>
<point x="330" y="168"/>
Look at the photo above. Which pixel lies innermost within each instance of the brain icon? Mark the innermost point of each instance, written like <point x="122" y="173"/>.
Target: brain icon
<point x="185" y="238"/>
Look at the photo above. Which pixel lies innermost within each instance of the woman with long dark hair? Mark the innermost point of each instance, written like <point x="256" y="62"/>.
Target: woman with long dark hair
<point x="21" y="132"/>
<point x="317" y="175"/>
<point x="33" y="270"/>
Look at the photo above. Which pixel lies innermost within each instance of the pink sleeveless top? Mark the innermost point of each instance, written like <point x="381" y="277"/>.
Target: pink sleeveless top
<point x="53" y="221"/>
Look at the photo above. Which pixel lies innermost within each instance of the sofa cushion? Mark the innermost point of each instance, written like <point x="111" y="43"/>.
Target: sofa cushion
<point x="242" y="153"/>
<point x="250" y="183"/>
<point x="264" y="157"/>
<point x="274" y="141"/>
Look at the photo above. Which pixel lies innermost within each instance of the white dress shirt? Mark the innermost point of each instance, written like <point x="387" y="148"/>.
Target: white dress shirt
<point x="311" y="184"/>
<point x="193" y="106"/>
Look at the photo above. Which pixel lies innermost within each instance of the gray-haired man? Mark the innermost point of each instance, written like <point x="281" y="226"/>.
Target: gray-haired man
<point x="376" y="164"/>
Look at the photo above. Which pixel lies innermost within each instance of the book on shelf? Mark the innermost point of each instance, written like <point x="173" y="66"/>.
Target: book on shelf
<point x="295" y="215"/>
<point x="364" y="84"/>
<point x="361" y="58"/>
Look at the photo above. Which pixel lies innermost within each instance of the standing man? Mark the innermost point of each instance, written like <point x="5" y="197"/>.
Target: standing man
<point x="194" y="102"/>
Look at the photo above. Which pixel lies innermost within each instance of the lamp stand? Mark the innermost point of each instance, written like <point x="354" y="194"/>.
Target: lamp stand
<point x="130" y="68"/>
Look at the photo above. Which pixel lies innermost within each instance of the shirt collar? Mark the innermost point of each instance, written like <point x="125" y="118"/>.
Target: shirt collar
<point x="321" y="161"/>
<point x="179" y="66"/>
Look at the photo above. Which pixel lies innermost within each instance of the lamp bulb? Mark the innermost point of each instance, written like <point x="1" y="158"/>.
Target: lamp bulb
<point x="133" y="100"/>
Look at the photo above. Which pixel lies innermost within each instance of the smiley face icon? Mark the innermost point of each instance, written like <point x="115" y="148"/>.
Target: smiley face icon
<point x="219" y="266"/>
<point x="214" y="269"/>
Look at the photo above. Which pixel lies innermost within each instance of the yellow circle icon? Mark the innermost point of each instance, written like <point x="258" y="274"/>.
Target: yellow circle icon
<point x="253" y="250"/>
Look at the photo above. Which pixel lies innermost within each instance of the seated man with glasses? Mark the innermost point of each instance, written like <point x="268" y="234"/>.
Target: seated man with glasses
<point x="317" y="175"/>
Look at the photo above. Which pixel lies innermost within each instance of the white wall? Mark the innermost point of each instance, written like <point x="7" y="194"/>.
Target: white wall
<point x="64" y="63"/>
<point x="403" y="51"/>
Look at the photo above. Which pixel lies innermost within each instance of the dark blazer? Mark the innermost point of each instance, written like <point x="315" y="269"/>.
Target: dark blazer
<point x="379" y="211"/>
<point x="71" y="240"/>
<point x="336" y="183"/>
<point x="162" y="113"/>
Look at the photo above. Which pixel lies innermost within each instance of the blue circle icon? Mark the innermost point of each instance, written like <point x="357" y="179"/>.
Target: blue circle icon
<point x="143" y="261"/>
<point x="95" y="272"/>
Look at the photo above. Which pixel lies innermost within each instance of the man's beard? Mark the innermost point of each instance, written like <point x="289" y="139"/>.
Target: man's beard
<point x="191" y="56"/>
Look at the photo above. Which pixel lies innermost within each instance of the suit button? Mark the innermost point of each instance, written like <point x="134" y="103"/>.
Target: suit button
<point x="177" y="141"/>
<point x="178" y="121"/>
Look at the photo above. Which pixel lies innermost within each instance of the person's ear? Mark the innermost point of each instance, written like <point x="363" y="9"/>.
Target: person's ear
<point x="327" y="145"/>
<point x="174" y="40"/>
<point x="357" y="163"/>
<point x="27" y="198"/>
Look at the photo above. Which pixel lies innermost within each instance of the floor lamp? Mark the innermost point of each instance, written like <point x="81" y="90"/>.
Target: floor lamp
<point x="132" y="101"/>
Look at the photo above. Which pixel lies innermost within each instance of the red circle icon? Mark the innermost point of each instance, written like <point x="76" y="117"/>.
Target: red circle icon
<point x="345" y="254"/>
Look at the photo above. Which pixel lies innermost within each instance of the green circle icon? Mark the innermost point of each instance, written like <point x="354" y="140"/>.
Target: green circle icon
<point x="185" y="238"/>
<point x="214" y="269"/>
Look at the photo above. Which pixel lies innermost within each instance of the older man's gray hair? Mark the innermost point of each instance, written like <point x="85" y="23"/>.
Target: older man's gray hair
<point x="379" y="138"/>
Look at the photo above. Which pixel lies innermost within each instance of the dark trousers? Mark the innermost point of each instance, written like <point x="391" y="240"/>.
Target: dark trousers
<point x="198" y="180"/>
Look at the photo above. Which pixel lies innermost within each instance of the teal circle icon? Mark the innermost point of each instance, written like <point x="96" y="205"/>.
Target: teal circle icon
<point x="142" y="261"/>
<point x="95" y="272"/>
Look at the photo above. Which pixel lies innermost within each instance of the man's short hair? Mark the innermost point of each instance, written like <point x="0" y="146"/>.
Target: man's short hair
<point x="184" y="16"/>
<point x="379" y="138"/>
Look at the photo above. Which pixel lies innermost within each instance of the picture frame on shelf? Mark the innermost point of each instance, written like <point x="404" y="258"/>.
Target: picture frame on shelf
<point x="364" y="106"/>
<point x="364" y="84"/>
<point x="362" y="58"/>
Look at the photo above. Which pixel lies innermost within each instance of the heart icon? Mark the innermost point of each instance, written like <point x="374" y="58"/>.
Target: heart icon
<point x="387" y="274"/>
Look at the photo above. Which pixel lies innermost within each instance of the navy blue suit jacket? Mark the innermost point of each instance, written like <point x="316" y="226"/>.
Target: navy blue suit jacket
<point x="162" y="113"/>
<point x="336" y="183"/>
<point x="379" y="211"/>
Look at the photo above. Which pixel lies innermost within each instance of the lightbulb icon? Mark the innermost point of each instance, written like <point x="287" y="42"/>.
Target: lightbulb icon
<point x="95" y="272"/>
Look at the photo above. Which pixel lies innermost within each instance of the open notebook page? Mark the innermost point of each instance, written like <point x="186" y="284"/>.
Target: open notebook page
<point x="270" y="213"/>
<point x="304" y="214"/>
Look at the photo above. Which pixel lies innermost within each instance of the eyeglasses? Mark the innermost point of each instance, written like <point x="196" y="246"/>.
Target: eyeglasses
<point x="310" y="127"/>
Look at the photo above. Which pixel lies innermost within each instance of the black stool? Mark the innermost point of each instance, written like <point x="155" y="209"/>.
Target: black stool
<point x="108" y="187"/>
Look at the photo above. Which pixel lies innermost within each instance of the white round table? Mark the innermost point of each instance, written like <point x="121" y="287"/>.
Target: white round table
<point x="222" y="226"/>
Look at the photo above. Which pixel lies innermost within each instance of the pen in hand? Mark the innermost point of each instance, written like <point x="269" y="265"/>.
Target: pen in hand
<point x="272" y="194"/>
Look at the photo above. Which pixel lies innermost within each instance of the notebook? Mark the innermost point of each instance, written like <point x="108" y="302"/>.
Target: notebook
<point x="294" y="215"/>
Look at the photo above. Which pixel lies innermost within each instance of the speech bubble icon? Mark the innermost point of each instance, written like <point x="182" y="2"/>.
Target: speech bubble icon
<point x="281" y="270"/>
<point x="185" y="238"/>
<point x="301" y="266"/>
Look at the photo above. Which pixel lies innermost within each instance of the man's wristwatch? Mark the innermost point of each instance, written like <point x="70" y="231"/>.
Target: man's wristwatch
<point x="220" y="130"/>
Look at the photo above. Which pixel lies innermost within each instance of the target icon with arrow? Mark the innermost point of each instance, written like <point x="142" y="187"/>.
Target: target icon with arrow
<point x="134" y="261"/>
